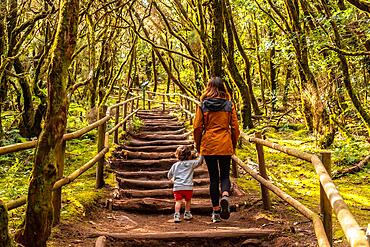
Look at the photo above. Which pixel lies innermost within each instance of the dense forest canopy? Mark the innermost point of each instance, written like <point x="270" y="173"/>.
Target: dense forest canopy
<point x="299" y="61"/>
<point x="302" y="56"/>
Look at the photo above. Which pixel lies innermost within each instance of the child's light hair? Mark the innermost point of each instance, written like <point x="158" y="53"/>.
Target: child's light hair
<point x="183" y="153"/>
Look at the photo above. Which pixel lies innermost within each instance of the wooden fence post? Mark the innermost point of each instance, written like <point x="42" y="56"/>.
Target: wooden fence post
<point x="143" y="98"/>
<point x="234" y="167"/>
<point x="262" y="169"/>
<point x="124" y="127"/>
<point x="186" y="108"/>
<point x="115" y="138"/>
<point x="163" y="102"/>
<point x="325" y="207"/>
<point x="57" y="194"/>
<point x="182" y="112"/>
<point x="4" y="229"/>
<point x="101" y="137"/>
<point x="149" y="98"/>
<point x="132" y="105"/>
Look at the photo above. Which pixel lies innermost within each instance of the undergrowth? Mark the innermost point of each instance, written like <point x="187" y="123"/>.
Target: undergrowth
<point x="79" y="196"/>
<point x="298" y="178"/>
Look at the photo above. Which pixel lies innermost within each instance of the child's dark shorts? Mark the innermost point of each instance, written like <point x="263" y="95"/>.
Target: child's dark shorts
<point x="186" y="194"/>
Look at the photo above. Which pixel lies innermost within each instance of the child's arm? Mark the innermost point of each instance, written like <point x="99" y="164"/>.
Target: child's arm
<point x="198" y="162"/>
<point x="170" y="172"/>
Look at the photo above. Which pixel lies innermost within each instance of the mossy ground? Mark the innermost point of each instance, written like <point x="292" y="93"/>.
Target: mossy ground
<point x="298" y="178"/>
<point x="78" y="197"/>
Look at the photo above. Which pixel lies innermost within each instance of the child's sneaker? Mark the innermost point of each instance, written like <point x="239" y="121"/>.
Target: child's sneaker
<point x="188" y="215"/>
<point x="216" y="217"/>
<point x="176" y="218"/>
<point x="225" y="209"/>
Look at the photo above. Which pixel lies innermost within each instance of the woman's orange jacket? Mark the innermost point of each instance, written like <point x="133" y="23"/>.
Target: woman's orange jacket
<point x="216" y="129"/>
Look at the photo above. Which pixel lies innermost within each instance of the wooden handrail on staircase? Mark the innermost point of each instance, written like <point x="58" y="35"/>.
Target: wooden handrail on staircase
<point x="12" y="204"/>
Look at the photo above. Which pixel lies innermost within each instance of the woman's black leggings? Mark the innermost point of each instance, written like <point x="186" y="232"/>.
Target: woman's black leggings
<point x="218" y="168"/>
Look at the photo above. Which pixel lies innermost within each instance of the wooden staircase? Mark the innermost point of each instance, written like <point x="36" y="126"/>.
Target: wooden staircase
<point x="141" y="167"/>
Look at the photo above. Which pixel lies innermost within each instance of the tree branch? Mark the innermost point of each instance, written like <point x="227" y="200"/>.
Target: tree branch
<point x="363" y="5"/>
<point x="346" y="53"/>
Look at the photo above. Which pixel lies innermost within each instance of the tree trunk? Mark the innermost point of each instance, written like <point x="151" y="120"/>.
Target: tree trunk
<point x="217" y="33"/>
<point x="39" y="212"/>
<point x="246" y="61"/>
<point x="155" y="72"/>
<point x="237" y="78"/>
<point x="260" y="72"/>
<point x="92" y="55"/>
<point x="28" y="114"/>
<point x="4" y="231"/>
<point x="286" y="86"/>
<point x="273" y="75"/>
<point x="2" y="52"/>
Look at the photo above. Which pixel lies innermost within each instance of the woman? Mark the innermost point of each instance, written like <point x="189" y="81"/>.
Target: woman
<point x="216" y="132"/>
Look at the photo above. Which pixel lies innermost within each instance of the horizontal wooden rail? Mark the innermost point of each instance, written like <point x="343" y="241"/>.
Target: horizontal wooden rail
<point x="354" y="234"/>
<point x="186" y="111"/>
<point x="70" y="178"/>
<point x="317" y="223"/>
<point x="17" y="147"/>
<point x="12" y="204"/>
<point x="122" y="122"/>
<point x="69" y="136"/>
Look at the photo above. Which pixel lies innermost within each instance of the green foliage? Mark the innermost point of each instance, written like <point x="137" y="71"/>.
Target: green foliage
<point x="136" y="123"/>
<point x="299" y="179"/>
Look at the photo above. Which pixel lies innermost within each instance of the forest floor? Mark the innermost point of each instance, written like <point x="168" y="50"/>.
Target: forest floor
<point x="293" y="229"/>
<point x="83" y="211"/>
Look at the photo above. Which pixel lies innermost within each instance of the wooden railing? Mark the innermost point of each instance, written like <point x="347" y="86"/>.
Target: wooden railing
<point x="103" y="148"/>
<point x="330" y="198"/>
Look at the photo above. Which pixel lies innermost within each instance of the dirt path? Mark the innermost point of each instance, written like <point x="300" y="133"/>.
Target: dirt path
<point x="294" y="230"/>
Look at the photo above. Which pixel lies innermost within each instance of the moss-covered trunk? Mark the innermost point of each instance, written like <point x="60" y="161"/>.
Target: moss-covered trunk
<point x="246" y="108"/>
<point x="39" y="212"/>
<point x="2" y="50"/>
<point x="217" y="33"/>
<point x="248" y="66"/>
<point x="4" y="233"/>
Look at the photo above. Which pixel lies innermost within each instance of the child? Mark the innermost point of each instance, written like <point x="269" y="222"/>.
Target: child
<point x="181" y="173"/>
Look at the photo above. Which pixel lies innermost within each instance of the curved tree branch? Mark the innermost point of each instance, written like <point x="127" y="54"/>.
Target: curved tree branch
<point x="363" y="5"/>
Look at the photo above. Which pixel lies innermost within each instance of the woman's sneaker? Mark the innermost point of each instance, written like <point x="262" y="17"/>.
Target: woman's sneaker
<point x="176" y="218"/>
<point x="225" y="209"/>
<point x="216" y="217"/>
<point x="188" y="215"/>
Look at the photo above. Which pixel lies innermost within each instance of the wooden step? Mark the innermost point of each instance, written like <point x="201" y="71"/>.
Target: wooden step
<point x="156" y="149"/>
<point x="198" y="192"/>
<point x="126" y="183"/>
<point x="153" y="136"/>
<point x="152" y="116"/>
<point x="211" y="234"/>
<point x="160" y="128"/>
<point x="167" y="124"/>
<point x="136" y="164"/>
<point x="126" y="154"/>
<point x="162" y="206"/>
<point x="169" y="132"/>
<point x="153" y="112"/>
<point x="198" y="173"/>
<point x="138" y="143"/>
